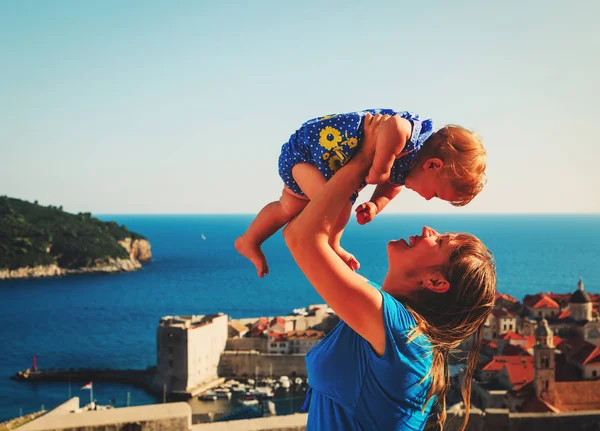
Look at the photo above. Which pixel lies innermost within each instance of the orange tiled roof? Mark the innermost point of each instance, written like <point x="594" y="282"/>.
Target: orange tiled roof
<point x="546" y="302"/>
<point x="305" y="335"/>
<point x="498" y="362"/>
<point x="563" y="315"/>
<point x="530" y="341"/>
<point x="238" y="326"/>
<point x="587" y="354"/>
<point x="512" y="335"/>
<point x="277" y="321"/>
<point x="505" y="297"/>
<point x="520" y="373"/>
<point x="278" y="336"/>
<point x="502" y="312"/>
<point x="574" y="396"/>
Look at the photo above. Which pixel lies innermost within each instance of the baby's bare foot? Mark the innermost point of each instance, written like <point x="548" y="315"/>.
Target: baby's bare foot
<point x="253" y="253"/>
<point x="350" y="260"/>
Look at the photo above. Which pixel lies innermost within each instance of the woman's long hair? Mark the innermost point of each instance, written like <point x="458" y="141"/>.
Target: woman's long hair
<point x="450" y="318"/>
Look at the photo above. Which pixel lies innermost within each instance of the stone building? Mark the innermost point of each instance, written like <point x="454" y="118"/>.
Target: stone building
<point x="188" y="351"/>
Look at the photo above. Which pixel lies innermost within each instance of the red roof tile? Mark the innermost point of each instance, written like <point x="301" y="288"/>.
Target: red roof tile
<point x="546" y="302"/>
<point x="277" y="321"/>
<point x="505" y="297"/>
<point x="520" y="373"/>
<point x="502" y="312"/>
<point x="512" y="335"/>
<point x="587" y="354"/>
<point x="574" y="396"/>
<point x="498" y="362"/>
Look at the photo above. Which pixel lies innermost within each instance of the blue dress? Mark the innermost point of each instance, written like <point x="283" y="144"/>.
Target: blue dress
<point x="329" y="142"/>
<point x="352" y="388"/>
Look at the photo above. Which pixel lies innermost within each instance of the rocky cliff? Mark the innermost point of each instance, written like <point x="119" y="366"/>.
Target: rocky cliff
<point x="45" y="241"/>
<point x="138" y="249"/>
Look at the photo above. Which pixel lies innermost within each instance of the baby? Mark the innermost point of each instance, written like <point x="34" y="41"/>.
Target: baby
<point x="448" y="164"/>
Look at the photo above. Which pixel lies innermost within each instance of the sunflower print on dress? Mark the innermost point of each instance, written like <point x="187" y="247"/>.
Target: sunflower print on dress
<point x="338" y="155"/>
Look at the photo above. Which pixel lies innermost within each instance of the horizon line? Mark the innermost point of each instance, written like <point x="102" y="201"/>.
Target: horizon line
<point x="379" y="215"/>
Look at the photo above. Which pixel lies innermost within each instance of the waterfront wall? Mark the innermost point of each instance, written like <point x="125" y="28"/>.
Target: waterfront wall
<point x="158" y="417"/>
<point x="295" y="422"/>
<point x="491" y="420"/>
<point x="259" y="344"/>
<point x="242" y="364"/>
<point x="502" y="420"/>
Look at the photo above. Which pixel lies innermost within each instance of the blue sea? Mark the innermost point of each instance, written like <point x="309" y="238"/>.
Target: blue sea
<point x="109" y="321"/>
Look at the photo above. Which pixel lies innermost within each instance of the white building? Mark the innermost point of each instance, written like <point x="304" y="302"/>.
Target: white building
<point x="188" y="351"/>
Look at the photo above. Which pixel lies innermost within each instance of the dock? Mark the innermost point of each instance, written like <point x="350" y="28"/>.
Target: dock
<point x="139" y="378"/>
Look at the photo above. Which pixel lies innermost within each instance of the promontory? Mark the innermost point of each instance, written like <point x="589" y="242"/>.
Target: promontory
<point x="45" y="241"/>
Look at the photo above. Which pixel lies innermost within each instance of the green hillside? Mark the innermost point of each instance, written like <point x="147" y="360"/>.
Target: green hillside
<point x="31" y="235"/>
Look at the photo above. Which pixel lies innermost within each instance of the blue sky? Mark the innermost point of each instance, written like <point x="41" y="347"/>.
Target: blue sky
<point x="181" y="107"/>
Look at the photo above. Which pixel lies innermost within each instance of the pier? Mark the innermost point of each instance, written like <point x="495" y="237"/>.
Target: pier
<point x="139" y="378"/>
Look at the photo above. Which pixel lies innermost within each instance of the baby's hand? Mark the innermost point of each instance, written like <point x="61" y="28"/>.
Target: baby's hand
<point x="366" y="212"/>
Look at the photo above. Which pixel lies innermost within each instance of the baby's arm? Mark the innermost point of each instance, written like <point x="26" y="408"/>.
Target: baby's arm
<point x="382" y="196"/>
<point x="392" y="134"/>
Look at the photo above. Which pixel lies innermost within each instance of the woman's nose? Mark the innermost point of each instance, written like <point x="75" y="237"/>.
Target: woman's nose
<point x="427" y="231"/>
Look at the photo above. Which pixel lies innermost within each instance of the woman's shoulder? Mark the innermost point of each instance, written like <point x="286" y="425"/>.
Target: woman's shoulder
<point x="401" y="327"/>
<point x="395" y="314"/>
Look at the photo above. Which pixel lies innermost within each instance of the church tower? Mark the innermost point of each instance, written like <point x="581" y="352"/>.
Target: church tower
<point x="544" y="364"/>
<point x="580" y="304"/>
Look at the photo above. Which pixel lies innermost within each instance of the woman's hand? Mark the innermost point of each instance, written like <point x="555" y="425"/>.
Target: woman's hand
<point x="368" y="145"/>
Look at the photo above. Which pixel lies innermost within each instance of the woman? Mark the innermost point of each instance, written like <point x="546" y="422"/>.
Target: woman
<point x="386" y="364"/>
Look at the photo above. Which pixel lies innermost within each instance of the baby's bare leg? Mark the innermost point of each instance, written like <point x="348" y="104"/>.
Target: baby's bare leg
<point x="268" y="221"/>
<point x="311" y="181"/>
<point x="336" y="236"/>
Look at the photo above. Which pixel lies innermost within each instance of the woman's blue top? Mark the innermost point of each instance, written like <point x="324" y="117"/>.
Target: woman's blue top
<point x="352" y="388"/>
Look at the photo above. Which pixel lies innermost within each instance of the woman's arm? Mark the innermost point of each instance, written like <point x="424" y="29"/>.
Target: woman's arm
<point x="356" y="302"/>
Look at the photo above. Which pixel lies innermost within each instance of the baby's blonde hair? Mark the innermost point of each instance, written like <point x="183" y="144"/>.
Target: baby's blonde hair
<point x="463" y="155"/>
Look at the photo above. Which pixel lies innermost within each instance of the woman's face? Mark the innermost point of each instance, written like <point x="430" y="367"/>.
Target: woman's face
<point x="413" y="258"/>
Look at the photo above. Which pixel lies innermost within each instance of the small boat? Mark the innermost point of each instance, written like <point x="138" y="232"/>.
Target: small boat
<point x="251" y="382"/>
<point x="249" y="400"/>
<point x="203" y="237"/>
<point x="223" y="393"/>
<point x="208" y="396"/>
<point x="298" y="381"/>
<point x="263" y="392"/>
<point x="239" y="388"/>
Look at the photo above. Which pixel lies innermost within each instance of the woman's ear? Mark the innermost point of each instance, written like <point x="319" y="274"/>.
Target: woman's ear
<point x="433" y="164"/>
<point x="437" y="283"/>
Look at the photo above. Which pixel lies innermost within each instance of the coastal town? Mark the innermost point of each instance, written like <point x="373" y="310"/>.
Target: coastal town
<point x="541" y="355"/>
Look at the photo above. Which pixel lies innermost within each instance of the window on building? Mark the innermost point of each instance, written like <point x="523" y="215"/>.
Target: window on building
<point x="510" y="327"/>
<point x="273" y="344"/>
<point x="546" y="384"/>
<point x="504" y="327"/>
<point x="539" y="314"/>
<point x="552" y="313"/>
<point x="170" y="349"/>
<point x="594" y="373"/>
<point x="171" y="364"/>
